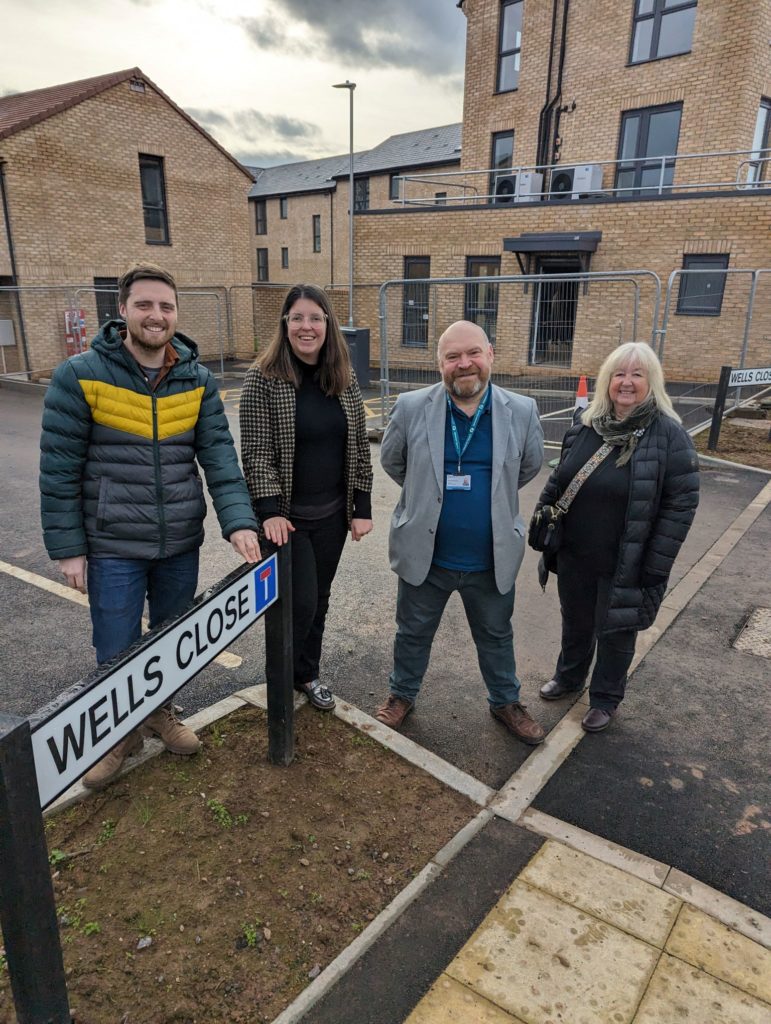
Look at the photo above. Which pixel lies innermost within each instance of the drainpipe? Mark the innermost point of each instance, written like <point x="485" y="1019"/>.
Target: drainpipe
<point x="331" y="238"/>
<point x="558" y="97"/>
<point x="542" y="146"/>
<point x="11" y="253"/>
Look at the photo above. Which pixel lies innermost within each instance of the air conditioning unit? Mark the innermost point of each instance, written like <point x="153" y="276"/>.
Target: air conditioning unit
<point x="575" y="182"/>
<point x="529" y="187"/>
<point x="505" y="189"/>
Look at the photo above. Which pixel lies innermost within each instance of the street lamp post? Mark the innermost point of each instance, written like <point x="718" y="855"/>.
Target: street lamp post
<point x="350" y="86"/>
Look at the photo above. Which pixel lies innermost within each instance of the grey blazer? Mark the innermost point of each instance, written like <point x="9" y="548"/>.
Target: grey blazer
<point x="412" y="453"/>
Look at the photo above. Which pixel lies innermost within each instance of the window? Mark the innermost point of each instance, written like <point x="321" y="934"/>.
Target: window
<point x="509" y="45"/>
<point x="262" y="265"/>
<point x="317" y="232"/>
<point x="284" y="258"/>
<point x="481" y="300"/>
<point x="261" y="217"/>
<point x="360" y="194"/>
<point x="758" y="170"/>
<point x="153" y="184"/>
<point x="647" y="135"/>
<point x="440" y="198"/>
<point x="106" y="289"/>
<point x="283" y="207"/>
<point x="502" y="157"/>
<point x="394" y="183"/>
<point x="662" y="28"/>
<point x="702" y="294"/>
<point x="415" y="312"/>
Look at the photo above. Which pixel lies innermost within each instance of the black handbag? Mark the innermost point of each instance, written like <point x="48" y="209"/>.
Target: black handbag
<point x="546" y="526"/>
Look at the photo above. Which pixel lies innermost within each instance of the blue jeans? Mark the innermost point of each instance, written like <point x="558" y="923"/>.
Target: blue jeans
<point x="418" y="613"/>
<point x="117" y="588"/>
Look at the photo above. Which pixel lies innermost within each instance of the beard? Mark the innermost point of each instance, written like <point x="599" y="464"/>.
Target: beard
<point x="467" y="386"/>
<point x="147" y="342"/>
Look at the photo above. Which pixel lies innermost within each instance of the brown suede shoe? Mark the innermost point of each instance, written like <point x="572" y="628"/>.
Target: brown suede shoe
<point x="175" y="736"/>
<point x="521" y="724"/>
<point x="104" y="771"/>
<point x="393" y="711"/>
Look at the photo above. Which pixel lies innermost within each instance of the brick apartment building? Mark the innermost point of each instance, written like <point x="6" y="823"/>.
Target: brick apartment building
<point x="98" y="174"/>
<point x="597" y="135"/>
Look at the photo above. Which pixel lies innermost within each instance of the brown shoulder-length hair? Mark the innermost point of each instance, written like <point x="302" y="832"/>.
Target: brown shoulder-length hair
<point x="334" y="361"/>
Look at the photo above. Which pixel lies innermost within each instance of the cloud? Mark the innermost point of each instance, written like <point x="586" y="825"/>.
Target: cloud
<point x="426" y="37"/>
<point x="260" y="140"/>
<point x="270" y="158"/>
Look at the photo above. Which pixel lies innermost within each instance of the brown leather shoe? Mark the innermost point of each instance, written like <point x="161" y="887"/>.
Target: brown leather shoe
<point x="393" y="711"/>
<point x="104" y="771"/>
<point x="521" y="724"/>
<point x="175" y="736"/>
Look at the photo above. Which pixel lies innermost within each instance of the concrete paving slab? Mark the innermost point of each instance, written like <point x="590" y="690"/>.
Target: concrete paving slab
<point x="448" y="1001"/>
<point x="706" y="943"/>
<point x="679" y="992"/>
<point x="543" y="960"/>
<point x="755" y="638"/>
<point x="730" y="912"/>
<point x="612" y="895"/>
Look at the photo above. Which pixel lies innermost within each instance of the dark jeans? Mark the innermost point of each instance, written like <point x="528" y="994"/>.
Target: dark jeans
<point x="317" y="545"/>
<point x="583" y="600"/>
<point x="117" y="588"/>
<point x="418" y="613"/>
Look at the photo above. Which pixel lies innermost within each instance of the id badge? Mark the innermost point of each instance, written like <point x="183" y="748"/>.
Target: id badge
<point x="458" y="482"/>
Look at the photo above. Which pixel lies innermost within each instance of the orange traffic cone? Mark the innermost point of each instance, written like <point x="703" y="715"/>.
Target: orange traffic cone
<point x="582" y="394"/>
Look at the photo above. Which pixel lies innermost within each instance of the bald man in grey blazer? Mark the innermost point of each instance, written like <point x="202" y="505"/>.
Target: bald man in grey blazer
<point x="460" y="450"/>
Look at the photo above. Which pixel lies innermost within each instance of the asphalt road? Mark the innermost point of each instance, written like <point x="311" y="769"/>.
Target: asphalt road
<point x="677" y="713"/>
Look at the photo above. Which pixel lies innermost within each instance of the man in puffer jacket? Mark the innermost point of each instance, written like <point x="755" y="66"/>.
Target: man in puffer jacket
<point x="122" y="501"/>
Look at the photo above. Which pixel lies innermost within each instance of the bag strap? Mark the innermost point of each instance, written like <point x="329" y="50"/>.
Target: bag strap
<point x="582" y="476"/>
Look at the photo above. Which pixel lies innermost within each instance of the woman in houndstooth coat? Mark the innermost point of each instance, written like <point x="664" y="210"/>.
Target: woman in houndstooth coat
<point x="307" y="463"/>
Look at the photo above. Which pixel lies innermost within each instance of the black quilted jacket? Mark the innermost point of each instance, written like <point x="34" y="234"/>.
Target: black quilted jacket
<point x="663" y="495"/>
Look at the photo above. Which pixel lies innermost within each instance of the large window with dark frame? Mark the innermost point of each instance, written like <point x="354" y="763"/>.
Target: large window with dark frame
<point x="317" y="232"/>
<point x="701" y="294"/>
<point x="501" y="159"/>
<point x="360" y="194"/>
<point x="647" y="137"/>
<point x="415" y="307"/>
<point x="262" y="265"/>
<point x="106" y="294"/>
<point x="759" y="169"/>
<point x="481" y="298"/>
<point x="509" y="45"/>
<point x="261" y="217"/>
<point x="153" y="182"/>
<point x="661" y="28"/>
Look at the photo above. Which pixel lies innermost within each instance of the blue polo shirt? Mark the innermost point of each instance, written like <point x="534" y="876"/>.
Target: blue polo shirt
<point x="464" y="536"/>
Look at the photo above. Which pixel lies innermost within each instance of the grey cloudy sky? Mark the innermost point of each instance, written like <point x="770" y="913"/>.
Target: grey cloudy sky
<point x="257" y="73"/>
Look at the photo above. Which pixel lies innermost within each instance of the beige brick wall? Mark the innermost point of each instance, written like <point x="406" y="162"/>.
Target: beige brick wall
<point x="75" y="203"/>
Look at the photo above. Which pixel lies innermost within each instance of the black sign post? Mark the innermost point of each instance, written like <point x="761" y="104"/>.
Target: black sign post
<point x="41" y="757"/>
<point x="717" y="412"/>
<point x="27" y="905"/>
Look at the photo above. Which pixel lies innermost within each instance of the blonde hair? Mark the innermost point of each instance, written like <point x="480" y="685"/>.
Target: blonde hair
<point x="633" y="353"/>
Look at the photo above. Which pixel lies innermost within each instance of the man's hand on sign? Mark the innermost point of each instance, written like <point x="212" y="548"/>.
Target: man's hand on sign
<point x="246" y="544"/>
<point x="74" y="571"/>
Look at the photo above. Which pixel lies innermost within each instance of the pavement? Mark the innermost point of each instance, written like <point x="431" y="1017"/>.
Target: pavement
<point x="618" y="878"/>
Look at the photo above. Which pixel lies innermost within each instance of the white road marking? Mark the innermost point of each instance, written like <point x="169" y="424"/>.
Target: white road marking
<point x="226" y="659"/>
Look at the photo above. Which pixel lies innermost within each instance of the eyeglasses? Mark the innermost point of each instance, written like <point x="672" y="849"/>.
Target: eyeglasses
<point x="315" y="319"/>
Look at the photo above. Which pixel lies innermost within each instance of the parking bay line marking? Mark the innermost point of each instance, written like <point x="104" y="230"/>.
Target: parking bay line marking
<point x="226" y="659"/>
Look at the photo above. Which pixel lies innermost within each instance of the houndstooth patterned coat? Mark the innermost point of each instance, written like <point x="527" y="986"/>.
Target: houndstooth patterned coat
<point x="267" y="415"/>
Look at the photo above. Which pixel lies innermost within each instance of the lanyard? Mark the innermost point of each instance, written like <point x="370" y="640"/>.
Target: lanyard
<point x="460" y="452"/>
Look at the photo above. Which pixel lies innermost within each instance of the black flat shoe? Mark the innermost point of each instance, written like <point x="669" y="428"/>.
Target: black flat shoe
<point x="554" y="690"/>
<point x="596" y="719"/>
<point x="319" y="696"/>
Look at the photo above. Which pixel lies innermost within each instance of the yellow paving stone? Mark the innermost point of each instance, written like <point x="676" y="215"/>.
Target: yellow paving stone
<point x="682" y="993"/>
<point x="448" y="1001"/>
<point x="604" y="891"/>
<point x="705" y="942"/>
<point x="549" y="963"/>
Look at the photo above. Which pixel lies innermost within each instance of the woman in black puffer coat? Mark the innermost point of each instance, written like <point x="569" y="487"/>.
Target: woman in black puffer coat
<point x="624" y="528"/>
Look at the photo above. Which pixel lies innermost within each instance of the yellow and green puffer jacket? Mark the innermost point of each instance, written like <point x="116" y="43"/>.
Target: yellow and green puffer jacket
<point x="118" y="472"/>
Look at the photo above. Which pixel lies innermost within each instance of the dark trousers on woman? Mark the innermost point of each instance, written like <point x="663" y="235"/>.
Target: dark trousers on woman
<point x="583" y="597"/>
<point x="317" y="545"/>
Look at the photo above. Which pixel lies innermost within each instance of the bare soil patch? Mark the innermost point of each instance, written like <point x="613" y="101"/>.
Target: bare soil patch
<point x="748" y="445"/>
<point x="215" y="888"/>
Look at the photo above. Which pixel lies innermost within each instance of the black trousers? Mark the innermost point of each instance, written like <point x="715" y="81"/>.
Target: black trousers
<point x="317" y="545"/>
<point x="583" y="597"/>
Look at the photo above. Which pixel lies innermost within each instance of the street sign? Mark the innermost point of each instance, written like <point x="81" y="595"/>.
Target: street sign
<point x="87" y="722"/>
<point x="752" y="375"/>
